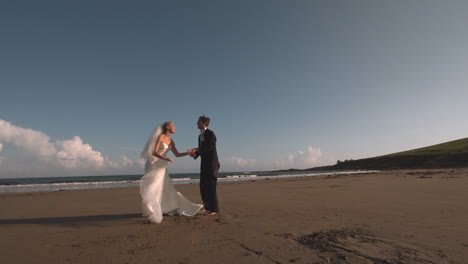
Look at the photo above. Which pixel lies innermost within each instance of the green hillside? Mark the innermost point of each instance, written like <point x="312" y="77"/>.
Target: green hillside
<point x="448" y="148"/>
<point x="451" y="154"/>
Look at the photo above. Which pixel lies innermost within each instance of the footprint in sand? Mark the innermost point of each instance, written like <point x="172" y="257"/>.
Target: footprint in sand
<point x="351" y="245"/>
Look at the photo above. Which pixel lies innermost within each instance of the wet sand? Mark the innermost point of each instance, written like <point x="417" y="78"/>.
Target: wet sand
<point x="416" y="216"/>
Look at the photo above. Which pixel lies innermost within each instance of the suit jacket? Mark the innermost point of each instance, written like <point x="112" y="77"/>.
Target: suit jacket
<point x="209" y="156"/>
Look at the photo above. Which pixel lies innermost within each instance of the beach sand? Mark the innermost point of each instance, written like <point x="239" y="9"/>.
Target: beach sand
<point x="416" y="216"/>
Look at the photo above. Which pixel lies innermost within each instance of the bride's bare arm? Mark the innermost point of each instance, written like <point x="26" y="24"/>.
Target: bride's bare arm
<point x="155" y="151"/>
<point x="176" y="152"/>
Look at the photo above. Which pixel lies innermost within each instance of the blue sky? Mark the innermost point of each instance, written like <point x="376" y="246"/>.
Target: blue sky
<point x="288" y="84"/>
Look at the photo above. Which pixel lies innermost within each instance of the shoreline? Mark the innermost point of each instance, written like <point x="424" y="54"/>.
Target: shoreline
<point x="124" y="183"/>
<point x="405" y="215"/>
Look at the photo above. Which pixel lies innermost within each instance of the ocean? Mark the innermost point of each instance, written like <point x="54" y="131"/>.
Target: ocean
<point x="50" y="184"/>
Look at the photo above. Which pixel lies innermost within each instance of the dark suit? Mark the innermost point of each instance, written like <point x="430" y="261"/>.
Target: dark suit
<point x="208" y="170"/>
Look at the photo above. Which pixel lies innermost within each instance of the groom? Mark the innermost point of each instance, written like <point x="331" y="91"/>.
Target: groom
<point x="209" y="165"/>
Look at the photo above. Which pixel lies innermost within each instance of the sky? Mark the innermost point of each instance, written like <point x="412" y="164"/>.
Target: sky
<point x="287" y="84"/>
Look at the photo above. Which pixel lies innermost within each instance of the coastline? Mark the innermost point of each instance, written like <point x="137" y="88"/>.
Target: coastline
<point x="52" y="184"/>
<point x="402" y="215"/>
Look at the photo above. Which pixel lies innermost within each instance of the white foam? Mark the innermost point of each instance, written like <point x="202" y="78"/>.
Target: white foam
<point x="242" y="176"/>
<point x="49" y="187"/>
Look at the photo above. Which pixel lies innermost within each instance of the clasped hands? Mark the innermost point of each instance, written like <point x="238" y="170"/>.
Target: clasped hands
<point x="192" y="152"/>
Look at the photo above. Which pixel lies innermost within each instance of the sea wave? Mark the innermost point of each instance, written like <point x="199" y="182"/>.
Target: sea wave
<point x="49" y="187"/>
<point x="181" y="179"/>
<point x="61" y="186"/>
<point x="241" y="176"/>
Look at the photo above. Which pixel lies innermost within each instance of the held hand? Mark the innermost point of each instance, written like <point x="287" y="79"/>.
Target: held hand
<point x="170" y="160"/>
<point x="193" y="153"/>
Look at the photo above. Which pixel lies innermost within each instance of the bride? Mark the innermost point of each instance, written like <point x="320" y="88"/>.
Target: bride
<point x="157" y="190"/>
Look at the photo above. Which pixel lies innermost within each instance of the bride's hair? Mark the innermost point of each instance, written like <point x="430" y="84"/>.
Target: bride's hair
<point x="164" y="126"/>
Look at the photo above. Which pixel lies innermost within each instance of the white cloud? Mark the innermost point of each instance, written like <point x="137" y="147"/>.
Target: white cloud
<point x="242" y="163"/>
<point x="73" y="154"/>
<point x="30" y="140"/>
<point x="36" y="151"/>
<point x="124" y="162"/>
<point x="302" y="159"/>
<point x="236" y="164"/>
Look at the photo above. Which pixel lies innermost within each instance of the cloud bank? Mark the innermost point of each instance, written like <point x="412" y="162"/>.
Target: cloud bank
<point x="312" y="157"/>
<point x="302" y="159"/>
<point x="241" y="163"/>
<point x="35" y="150"/>
<point x="26" y="152"/>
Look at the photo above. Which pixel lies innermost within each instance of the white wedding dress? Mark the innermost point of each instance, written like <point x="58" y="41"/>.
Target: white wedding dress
<point x="158" y="193"/>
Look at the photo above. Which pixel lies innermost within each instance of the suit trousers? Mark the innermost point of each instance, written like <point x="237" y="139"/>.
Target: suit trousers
<point x="208" y="193"/>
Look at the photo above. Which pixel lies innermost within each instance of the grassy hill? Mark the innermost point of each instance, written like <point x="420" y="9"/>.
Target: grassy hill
<point x="451" y="154"/>
<point x="448" y="148"/>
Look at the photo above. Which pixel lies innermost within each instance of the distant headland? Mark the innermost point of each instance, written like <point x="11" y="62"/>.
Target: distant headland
<point x="452" y="154"/>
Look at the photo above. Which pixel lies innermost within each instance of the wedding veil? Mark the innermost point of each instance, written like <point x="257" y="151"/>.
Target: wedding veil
<point x="149" y="147"/>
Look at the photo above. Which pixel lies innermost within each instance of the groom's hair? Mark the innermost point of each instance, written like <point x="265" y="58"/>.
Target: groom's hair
<point x="204" y="119"/>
